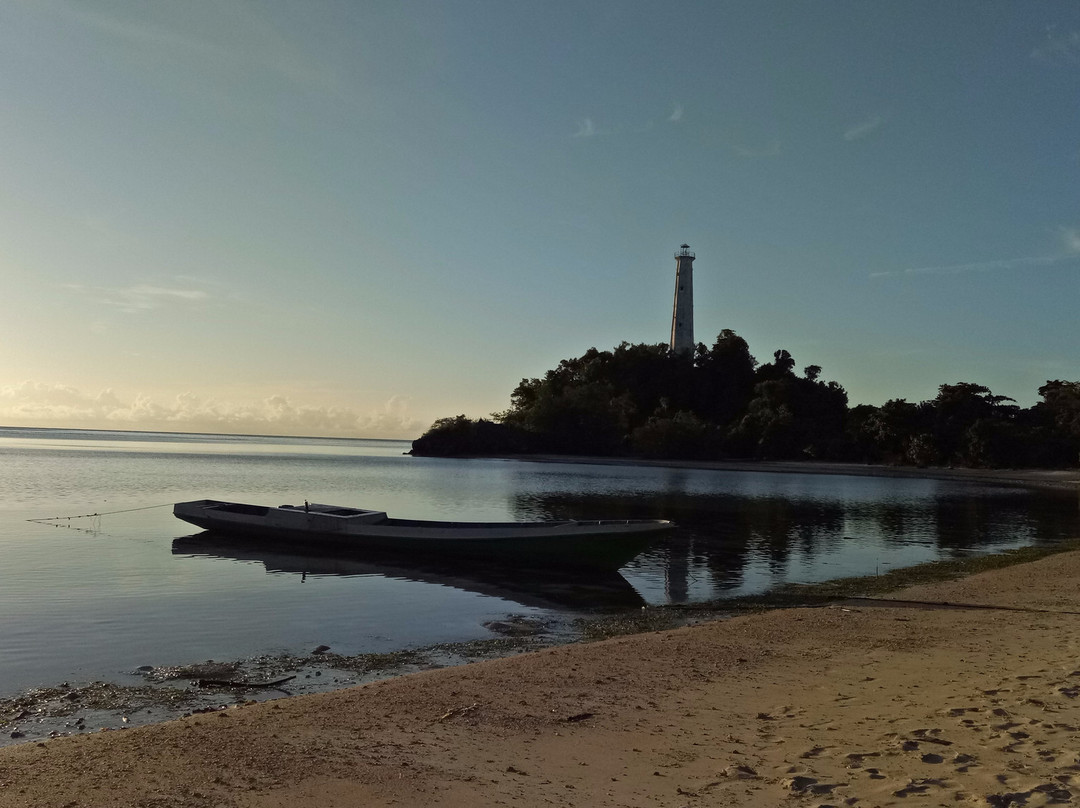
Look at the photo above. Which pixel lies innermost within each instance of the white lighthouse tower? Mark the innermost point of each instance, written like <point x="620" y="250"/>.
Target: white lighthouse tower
<point x="682" y="315"/>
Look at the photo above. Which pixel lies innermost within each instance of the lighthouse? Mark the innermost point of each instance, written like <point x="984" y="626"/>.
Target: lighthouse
<point x="682" y="314"/>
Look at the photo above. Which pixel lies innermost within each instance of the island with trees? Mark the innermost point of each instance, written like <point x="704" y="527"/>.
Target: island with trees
<point x="720" y="403"/>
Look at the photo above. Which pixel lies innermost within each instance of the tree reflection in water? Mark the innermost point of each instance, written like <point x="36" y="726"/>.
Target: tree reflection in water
<point x="748" y="536"/>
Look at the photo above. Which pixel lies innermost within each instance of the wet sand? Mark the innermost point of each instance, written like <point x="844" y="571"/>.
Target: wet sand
<point x="855" y="704"/>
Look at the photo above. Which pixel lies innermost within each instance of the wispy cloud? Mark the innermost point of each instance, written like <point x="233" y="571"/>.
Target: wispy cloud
<point x="242" y="35"/>
<point x="142" y="33"/>
<point x="37" y="404"/>
<point x="979" y="266"/>
<point x="864" y="128"/>
<point x="586" y="128"/>
<point x="1059" y="46"/>
<point x="1070" y="240"/>
<point x="1070" y="237"/>
<point x="141" y="297"/>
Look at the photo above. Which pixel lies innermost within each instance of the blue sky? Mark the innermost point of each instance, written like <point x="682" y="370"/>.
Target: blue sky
<point x="356" y="217"/>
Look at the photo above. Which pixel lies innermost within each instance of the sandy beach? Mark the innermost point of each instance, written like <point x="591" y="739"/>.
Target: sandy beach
<point x="858" y="703"/>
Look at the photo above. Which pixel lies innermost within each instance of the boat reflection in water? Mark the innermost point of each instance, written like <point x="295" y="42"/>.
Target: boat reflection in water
<point x="557" y="588"/>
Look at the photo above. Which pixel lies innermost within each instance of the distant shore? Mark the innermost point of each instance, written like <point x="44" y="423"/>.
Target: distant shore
<point x="1055" y="478"/>
<point x="957" y="692"/>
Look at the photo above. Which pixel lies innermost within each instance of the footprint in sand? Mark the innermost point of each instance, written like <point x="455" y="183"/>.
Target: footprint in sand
<point x="956" y="712"/>
<point x="926" y="733"/>
<point x="920" y="786"/>
<point x="855" y="759"/>
<point x="1005" y="727"/>
<point x="964" y="763"/>
<point x="809" y="785"/>
<point x="1054" y="794"/>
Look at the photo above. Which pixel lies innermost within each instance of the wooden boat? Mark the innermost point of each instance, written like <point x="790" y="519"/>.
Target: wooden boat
<point x="605" y="544"/>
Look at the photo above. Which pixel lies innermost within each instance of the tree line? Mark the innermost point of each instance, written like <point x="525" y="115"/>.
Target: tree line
<point x="720" y="403"/>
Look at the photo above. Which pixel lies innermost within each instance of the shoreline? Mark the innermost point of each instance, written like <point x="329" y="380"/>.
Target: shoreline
<point x="861" y="702"/>
<point x="153" y="695"/>
<point x="1043" y="478"/>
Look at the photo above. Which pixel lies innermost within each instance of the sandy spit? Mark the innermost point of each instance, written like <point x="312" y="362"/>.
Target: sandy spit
<point x="853" y="704"/>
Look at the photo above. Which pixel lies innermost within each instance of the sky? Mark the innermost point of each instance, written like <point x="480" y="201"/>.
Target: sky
<point x="346" y="217"/>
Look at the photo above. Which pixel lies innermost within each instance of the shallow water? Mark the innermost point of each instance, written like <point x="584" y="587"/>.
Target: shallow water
<point x="98" y="596"/>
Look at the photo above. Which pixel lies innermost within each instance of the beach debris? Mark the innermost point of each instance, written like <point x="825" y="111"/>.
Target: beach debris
<point x="360" y="663"/>
<point x="640" y="622"/>
<point x="200" y="670"/>
<point x="577" y="717"/>
<point x="517" y="626"/>
<point x="458" y="711"/>
<point x="237" y="683"/>
<point x="63" y="701"/>
<point x="216" y="708"/>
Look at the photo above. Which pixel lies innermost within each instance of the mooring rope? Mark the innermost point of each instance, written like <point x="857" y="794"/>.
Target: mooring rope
<point x="103" y="513"/>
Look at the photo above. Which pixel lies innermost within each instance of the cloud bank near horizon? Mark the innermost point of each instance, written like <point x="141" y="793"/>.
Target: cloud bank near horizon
<point x="55" y="405"/>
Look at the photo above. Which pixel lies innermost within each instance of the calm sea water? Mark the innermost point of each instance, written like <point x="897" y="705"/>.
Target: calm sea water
<point x="98" y="596"/>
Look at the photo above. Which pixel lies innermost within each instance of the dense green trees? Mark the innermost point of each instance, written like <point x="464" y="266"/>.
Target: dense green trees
<point x="644" y="400"/>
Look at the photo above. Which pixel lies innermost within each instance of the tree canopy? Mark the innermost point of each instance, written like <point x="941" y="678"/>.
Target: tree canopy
<point x="719" y="402"/>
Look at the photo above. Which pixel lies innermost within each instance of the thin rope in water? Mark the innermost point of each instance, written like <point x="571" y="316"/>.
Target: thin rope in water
<point x="103" y="513"/>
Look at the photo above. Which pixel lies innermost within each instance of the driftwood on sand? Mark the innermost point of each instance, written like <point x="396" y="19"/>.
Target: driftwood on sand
<point x="238" y="684"/>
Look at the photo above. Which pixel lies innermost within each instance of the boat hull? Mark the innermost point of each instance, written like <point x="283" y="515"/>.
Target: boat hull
<point x="605" y="544"/>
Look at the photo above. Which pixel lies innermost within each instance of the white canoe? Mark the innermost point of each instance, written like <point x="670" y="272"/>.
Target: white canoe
<point x="606" y="543"/>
